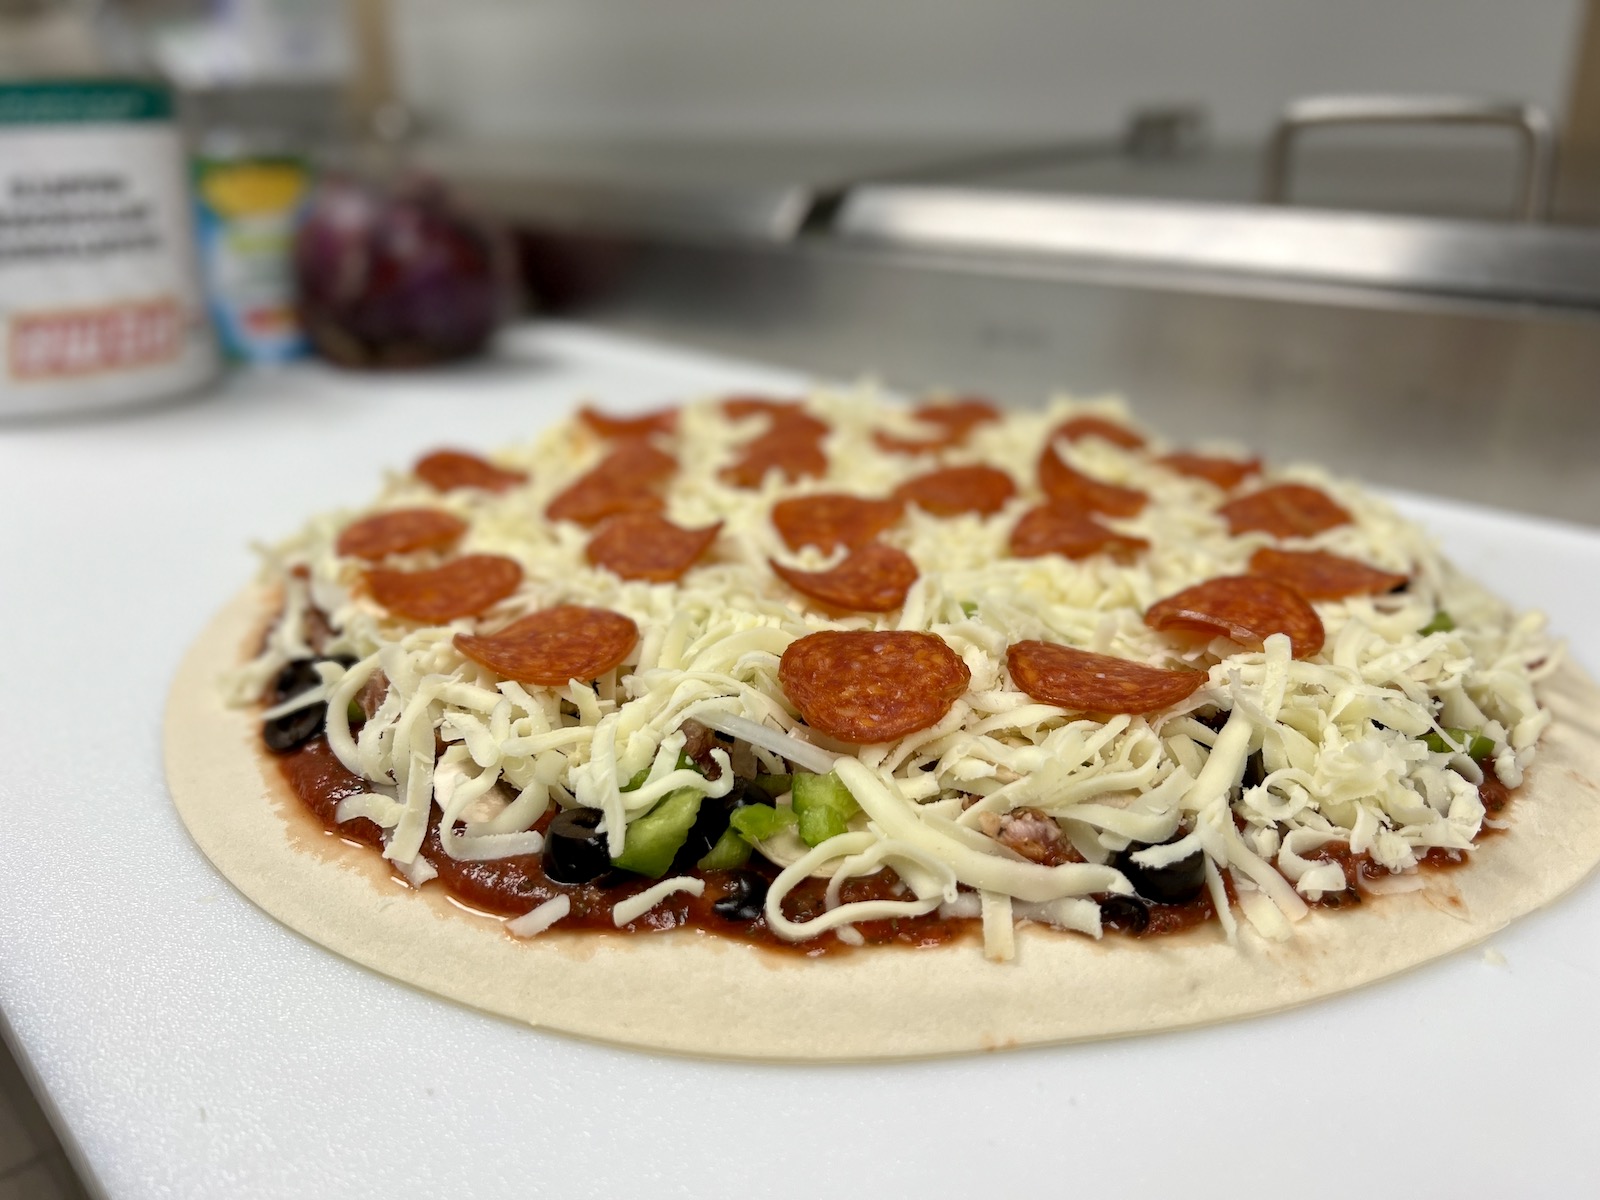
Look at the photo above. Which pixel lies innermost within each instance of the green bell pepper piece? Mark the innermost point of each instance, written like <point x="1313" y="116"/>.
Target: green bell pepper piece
<point x="824" y="806"/>
<point x="730" y="852"/>
<point x="654" y="839"/>
<point x="685" y="763"/>
<point x="757" y="822"/>
<point x="771" y="786"/>
<point x="1477" y="745"/>
<point x="1442" y="623"/>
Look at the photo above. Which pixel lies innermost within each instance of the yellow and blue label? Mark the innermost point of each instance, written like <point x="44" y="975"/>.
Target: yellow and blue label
<point x="248" y="209"/>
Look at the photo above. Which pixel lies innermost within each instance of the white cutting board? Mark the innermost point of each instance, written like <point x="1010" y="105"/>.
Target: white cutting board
<point x="190" y="1046"/>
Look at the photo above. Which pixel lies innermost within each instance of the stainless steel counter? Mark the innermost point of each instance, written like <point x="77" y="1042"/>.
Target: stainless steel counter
<point x="1495" y="405"/>
<point x="1455" y="357"/>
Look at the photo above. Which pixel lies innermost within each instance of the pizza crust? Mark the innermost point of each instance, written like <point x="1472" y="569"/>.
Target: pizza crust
<point x="693" y="993"/>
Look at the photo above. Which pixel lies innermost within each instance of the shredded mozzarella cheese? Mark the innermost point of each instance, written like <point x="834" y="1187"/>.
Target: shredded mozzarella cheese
<point x="1328" y="749"/>
<point x="536" y="920"/>
<point x="635" y="907"/>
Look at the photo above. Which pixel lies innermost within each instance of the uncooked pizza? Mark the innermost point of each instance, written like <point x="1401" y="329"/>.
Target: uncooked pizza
<point x="828" y="727"/>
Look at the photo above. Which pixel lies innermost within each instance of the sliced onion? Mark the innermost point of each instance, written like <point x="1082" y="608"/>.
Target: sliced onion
<point x="785" y="745"/>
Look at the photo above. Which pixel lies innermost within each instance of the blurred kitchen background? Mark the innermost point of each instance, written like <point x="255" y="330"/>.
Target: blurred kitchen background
<point x="1366" y="232"/>
<point x="1343" y="229"/>
<point x="1148" y="98"/>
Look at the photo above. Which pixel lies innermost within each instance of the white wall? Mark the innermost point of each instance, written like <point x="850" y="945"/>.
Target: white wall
<point x="1023" y="69"/>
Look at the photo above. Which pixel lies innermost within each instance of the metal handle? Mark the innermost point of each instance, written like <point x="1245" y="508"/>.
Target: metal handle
<point x="1529" y="122"/>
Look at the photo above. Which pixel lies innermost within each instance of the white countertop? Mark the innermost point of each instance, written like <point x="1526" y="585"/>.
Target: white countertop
<point x="191" y="1046"/>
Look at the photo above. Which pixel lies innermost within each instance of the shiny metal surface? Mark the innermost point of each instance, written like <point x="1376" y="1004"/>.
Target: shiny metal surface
<point x="1474" y="259"/>
<point x="1452" y="357"/>
<point x="1529" y="122"/>
<point x="726" y="190"/>
<point x="880" y="197"/>
<point x="622" y="189"/>
<point x="1158" y="156"/>
<point x="1488" y="404"/>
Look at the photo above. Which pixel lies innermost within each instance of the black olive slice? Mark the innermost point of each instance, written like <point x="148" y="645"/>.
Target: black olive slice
<point x="1176" y="883"/>
<point x="295" y="678"/>
<point x="1255" y="770"/>
<point x="1127" y="914"/>
<point x="574" y="852"/>
<point x="745" y="898"/>
<point x="709" y="826"/>
<point x="282" y="734"/>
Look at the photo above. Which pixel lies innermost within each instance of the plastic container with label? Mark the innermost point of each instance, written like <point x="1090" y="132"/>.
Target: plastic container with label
<point x="100" y="298"/>
<point x="248" y="203"/>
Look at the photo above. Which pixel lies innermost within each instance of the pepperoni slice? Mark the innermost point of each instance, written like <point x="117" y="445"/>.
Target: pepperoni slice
<point x="593" y="502"/>
<point x="828" y="520"/>
<point x="1320" y="576"/>
<point x="1246" y="608"/>
<point x="955" y="490"/>
<point x="794" y="456"/>
<point x="874" y="578"/>
<point x="400" y="531"/>
<point x="870" y="686"/>
<point x="446" y="470"/>
<point x="1226" y="473"/>
<point x="961" y="415"/>
<point x="550" y="647"/>
<point x="649" y="547"/>
<point x="1099" y="683"/>
<point x="663" y="420"/>
<point x="1075" y="429"/>
<point x="623" y="481"/>
<point x="792" y="444"/>
<point x="955" y="418"/>
<point x="740" y="407"/>
<point x="1285" y="510"/>
<point x="788" y="416"/>
<point x="895" y="444"/>
<point x="1070" y="532"/>
<point x="463" y="587"/>
<point x="1061" y="482"/>
<point x="800" y="425"/>
<point x="637" y="464"/>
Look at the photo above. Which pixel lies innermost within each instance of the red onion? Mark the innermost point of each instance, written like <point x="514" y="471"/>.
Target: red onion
<point x="395" y="277"/>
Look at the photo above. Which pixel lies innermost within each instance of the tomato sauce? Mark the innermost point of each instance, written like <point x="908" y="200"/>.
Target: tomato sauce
<point x="1357" y="868"/>
<point x="516" y="884"/>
